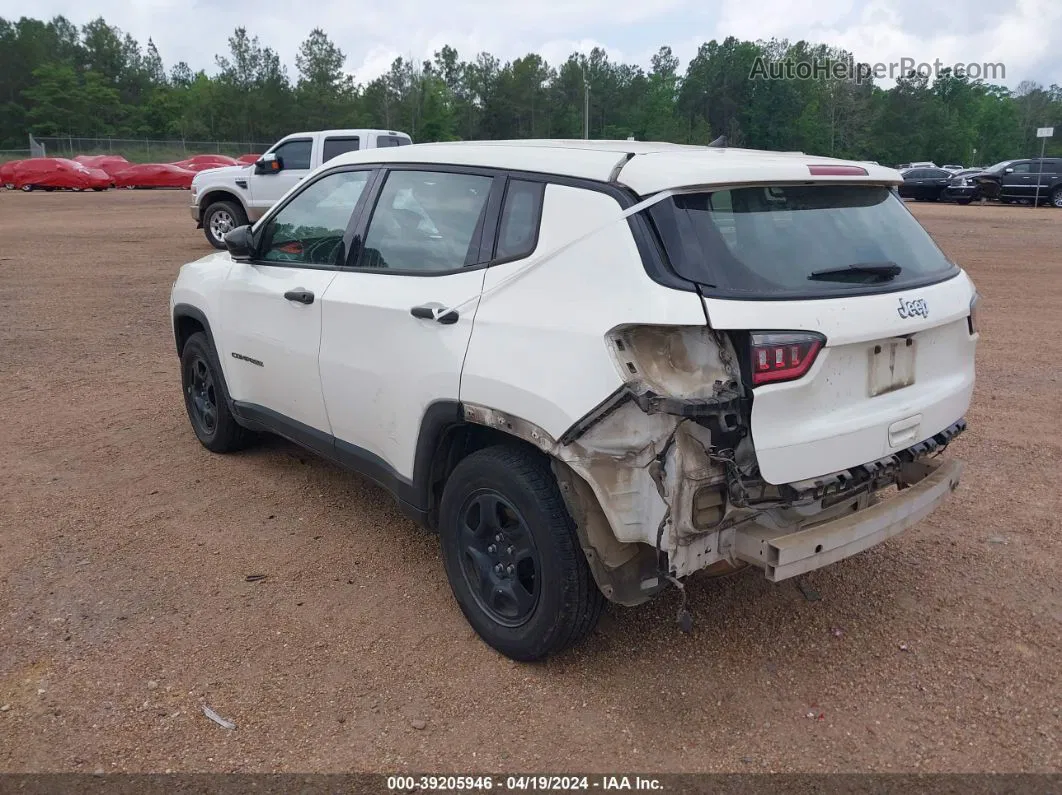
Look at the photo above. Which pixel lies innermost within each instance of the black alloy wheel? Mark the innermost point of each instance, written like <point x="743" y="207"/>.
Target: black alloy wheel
<point x="499" y="561"/>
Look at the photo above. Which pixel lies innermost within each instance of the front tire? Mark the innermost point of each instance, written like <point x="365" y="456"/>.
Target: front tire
<point x="221" y="218"/>
<point x="512" y="557"/>
<point x="205" y="399"/>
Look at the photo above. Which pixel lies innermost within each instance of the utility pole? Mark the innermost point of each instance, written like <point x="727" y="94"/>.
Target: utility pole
<point x="1043" y="133"/>
<point x="586" y="106"/>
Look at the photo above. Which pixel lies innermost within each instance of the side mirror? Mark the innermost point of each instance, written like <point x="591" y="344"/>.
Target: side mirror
<point x="269" y="164"/>
<point x="240" y="243"/>
<point x="1008" y="171"/>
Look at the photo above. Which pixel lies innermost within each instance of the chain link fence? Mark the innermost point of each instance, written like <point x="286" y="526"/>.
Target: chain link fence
<point x="145" y="150"/>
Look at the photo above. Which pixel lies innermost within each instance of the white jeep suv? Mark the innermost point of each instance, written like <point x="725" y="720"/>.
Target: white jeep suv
<point x="595" y="367"/>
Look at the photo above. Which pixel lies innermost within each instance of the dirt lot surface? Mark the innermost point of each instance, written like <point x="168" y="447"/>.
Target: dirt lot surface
<point x="124" y="548"/>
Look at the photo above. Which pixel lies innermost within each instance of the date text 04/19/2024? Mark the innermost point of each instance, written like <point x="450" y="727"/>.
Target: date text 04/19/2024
<point x="522" y="783"/>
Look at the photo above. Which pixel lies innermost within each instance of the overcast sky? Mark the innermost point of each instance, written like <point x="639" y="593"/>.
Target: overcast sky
<point x="1025" y="35"/>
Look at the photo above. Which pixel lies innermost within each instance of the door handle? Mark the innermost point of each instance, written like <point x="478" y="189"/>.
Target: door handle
<point x="427" y="312"/>
<point x="299" y="296"/>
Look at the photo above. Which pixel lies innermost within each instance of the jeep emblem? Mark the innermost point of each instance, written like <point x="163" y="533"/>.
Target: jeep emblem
<point x="909" y="309"/>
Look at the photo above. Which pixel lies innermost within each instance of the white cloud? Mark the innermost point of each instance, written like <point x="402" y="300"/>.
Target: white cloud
<point x="1024" y="35"/>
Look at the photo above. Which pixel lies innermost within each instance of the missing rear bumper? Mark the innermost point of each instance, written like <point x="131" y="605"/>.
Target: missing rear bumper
<point x="783" y="555"/>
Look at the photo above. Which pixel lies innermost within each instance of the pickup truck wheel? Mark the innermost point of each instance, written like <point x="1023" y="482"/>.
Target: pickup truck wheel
<point x="512" y="557"/>
<point x="1056" y="197"/>
<point x="221" y="218"/>
<point x="205" y="400"/>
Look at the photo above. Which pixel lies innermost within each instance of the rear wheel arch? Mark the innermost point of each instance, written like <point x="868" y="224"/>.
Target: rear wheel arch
<point x="451" y="432"/>
<point x="448" y="434"/>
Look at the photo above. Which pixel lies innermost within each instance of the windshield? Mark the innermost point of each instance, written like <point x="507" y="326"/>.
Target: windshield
<point x="766" y="242"/>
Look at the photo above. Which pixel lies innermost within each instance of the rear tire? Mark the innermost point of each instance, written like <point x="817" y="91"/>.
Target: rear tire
<point x="206" y="400"/>
<point x="512" y="557"/>
<point x="219" y="219"/>
<point x="1056" y="197"/>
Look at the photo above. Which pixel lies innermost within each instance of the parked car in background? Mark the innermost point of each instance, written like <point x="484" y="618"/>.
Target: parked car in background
<point x="952" y="167"/>
<point x="7" y="173"/>
<point x="924" y="184"/>
<point x="562" y="367"/>
<point x="56" y="173"/>
<point x="203" y="162"/>
<point x="225" y="198"/>
<point x="154" y="175"/>
<point x="112" y="164"/>
<point x="924" y="164"/>
<point x="961" y="189"/>
<point x="1018" y="180"/>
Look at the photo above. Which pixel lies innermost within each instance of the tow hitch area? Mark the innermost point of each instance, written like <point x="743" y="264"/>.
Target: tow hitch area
<point x="783" y="555"/>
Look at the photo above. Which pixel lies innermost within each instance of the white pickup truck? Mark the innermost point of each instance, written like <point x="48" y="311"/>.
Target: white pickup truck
<point x="228" y="197"/>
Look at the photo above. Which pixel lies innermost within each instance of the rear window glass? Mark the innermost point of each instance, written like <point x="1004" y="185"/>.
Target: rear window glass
<point x="520" y="215"/>
<point x="337" y="146"/>
<point x="391" y="140"/>
<point x="776" y="241"/>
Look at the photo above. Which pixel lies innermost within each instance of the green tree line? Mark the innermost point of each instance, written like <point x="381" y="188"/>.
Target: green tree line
<point x="98" y="81"/>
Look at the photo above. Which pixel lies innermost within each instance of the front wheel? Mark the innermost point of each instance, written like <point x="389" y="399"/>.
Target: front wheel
<point x="512" y="557"/>
<point x="221" y="218"/>
<point x="205" y="400"/>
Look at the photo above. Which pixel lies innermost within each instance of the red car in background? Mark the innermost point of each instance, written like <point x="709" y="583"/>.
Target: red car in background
<point x="202" y="165"/>
<point x="7" y="173"/>
<point x="154" y="175"/>
<point x="56" y="173"/>
<point x="248" y="159"/>
<point x="203" y="162"/>
<point x="112" y="164"/>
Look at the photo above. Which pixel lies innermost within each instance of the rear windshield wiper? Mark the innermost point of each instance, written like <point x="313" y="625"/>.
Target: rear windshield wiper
<point x="852" y="273"/>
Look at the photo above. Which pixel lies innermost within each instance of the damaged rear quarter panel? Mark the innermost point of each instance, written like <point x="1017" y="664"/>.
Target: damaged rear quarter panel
<point x="551" y="348"/>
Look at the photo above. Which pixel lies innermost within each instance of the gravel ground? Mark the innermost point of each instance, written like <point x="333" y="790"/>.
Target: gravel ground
<point x="125" y="548"/>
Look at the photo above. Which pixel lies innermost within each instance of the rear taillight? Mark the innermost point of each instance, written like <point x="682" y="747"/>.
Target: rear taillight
<point x="783" y="356"/>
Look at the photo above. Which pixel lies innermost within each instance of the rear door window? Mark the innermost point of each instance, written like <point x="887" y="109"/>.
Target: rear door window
<point x="339" y="145"/>
<point x="776" y="242"/>
<point x="391" y="140"/>
<point x="426" y="221"/>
